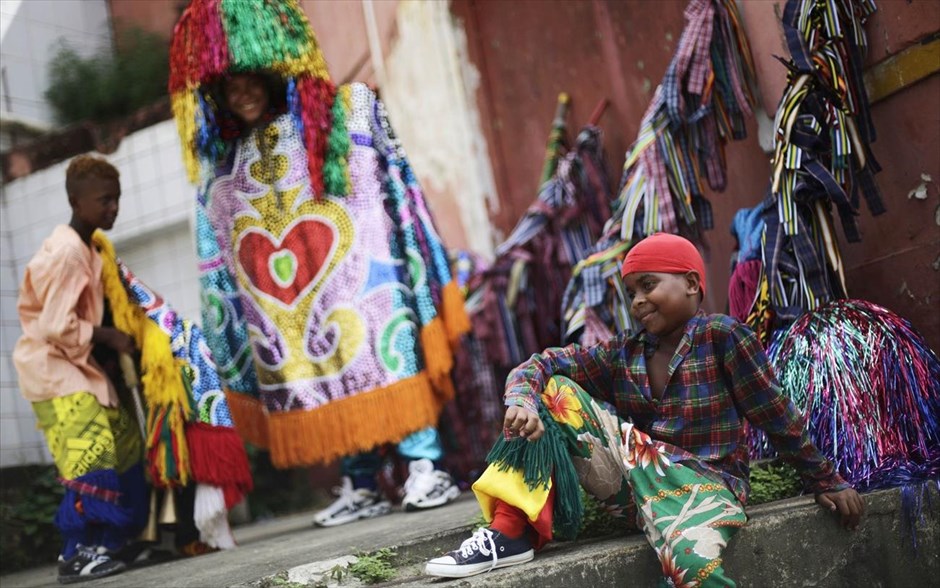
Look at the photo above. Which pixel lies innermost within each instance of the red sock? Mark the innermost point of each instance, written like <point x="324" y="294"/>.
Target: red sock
<point x="509" y="520"/>
<point x="512" y="522"/>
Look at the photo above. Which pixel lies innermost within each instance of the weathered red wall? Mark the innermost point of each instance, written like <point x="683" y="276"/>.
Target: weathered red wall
<point x="156" y="16"/>
<point x="528" y="51"/>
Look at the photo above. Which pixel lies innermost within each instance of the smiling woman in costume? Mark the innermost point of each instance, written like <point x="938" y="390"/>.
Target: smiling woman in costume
<point x="328" y="300"/>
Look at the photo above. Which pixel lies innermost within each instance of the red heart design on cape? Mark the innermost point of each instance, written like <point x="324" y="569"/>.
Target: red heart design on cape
<point x="309" y="242"/>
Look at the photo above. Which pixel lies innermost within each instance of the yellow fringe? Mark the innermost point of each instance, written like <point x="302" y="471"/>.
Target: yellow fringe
<point x="454" y="311"/>
<point x="161" y="380"/>
<point x="345" y="427"/>
<point x="183" y="104"/>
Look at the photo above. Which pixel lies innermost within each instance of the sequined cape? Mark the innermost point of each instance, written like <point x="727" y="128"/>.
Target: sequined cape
<point x="332" y="318"/>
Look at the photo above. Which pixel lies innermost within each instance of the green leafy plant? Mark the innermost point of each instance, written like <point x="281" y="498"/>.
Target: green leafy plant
<point x="773" y="481"/>
<point x="29" y="499"/>
<point x="597" y="521"/>
<point x="109" y="84"/>
<point x="375" y="567"/>
<point x="280" y="581"/>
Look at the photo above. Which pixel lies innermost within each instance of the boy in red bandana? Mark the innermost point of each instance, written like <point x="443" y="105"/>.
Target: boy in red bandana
<point x="674" y="455"/>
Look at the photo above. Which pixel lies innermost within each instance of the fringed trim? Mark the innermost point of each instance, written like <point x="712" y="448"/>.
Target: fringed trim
<point x="336" y="167"/>
<point x="438" y="358"/>
<point x="218" y="458"/>
<point x="352" y="425"/>
<point x="79" y="508"/>
<point x="184" y="105"/>
<point x="540" y="462"/>
<point x="251" y="420"/>
<point x="316" y="103"/>
<point x="168" y="405"/>
<point x="210" y="516"/>
<point x="453" y="309"/>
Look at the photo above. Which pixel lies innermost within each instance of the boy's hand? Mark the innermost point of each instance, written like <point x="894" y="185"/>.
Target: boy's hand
<point x="520" y="421"/>
<point x="849" y="504"/>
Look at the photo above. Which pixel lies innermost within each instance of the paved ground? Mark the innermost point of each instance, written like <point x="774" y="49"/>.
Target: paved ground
<point x="268" y="547"/>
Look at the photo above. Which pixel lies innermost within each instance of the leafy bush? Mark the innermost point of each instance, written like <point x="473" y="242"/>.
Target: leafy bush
<point x="109" y="84"/>
<point x="773" y="481"/>
<point x="375" y="567"/>
<point x="29" y="500"/>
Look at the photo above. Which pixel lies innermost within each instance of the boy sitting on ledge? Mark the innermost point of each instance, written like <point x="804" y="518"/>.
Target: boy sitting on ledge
<point x="675" y="452"/>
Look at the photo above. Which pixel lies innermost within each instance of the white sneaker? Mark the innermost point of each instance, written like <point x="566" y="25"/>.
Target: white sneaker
<point x="427" y="487"/>
<point x="352" y="505"/>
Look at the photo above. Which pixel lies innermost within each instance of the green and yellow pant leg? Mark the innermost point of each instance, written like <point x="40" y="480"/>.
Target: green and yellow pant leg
<point x="687" y="518"/>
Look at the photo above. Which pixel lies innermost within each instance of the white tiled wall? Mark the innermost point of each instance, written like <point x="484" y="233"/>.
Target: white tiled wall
<point x="153" y="235"/>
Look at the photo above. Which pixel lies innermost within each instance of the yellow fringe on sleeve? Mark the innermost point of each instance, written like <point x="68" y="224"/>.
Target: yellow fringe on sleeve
<point x="161" y="379"/>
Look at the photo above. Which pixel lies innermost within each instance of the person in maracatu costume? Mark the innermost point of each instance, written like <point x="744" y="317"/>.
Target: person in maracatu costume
<point x="328" y="299"/>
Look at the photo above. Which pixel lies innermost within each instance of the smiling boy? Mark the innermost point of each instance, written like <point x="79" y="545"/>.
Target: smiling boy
<point x="674" y="453"/>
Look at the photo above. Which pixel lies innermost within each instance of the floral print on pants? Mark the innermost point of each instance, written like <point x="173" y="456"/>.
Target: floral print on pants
<point x="687" y="517"/>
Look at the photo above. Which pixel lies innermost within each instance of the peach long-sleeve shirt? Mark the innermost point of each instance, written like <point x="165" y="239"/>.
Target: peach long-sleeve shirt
<point x="61" y="301"/>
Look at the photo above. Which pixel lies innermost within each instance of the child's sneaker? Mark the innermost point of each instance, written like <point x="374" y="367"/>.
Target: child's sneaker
<point x="427" y="487"/>
<point x="485" y="550"/>
<point x="352" y="505"/>
<point x="88" y="563"/>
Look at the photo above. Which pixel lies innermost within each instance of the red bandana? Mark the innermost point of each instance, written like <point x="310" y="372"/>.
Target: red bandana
<point x="667" y="254"/>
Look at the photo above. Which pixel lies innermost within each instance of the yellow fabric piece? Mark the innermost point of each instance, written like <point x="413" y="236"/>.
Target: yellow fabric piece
<point x="183" y="104"/>
<point x="83" y="436"/>
<point x="161" y="381"/>
<point x="510" y="487"/>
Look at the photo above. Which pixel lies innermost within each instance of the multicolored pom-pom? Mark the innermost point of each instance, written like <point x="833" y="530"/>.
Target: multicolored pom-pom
<point x="869" y="387"/>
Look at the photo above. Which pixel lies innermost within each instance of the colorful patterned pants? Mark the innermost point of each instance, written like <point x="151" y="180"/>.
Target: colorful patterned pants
<point x="687" y="518"/>
<point x="97" y="452"/>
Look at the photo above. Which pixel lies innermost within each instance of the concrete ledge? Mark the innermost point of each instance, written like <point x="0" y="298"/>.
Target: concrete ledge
<point x="788" y="543"/>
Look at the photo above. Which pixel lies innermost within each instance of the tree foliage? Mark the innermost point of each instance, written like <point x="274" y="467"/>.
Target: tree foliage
<point x="109" y="84"/>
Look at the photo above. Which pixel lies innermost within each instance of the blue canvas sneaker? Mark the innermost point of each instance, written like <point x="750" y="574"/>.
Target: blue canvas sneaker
<point x="484" y="551"/>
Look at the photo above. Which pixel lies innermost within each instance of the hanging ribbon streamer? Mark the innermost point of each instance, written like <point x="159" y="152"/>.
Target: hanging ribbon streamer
<point x="702" y="103"/>
<point x="822" y="159"/>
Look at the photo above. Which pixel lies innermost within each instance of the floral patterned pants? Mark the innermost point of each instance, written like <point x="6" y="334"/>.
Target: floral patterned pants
<point x="687" y="518"/>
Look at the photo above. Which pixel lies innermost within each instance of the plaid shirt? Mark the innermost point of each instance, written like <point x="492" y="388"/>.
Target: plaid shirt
<point x="718" y="377"/>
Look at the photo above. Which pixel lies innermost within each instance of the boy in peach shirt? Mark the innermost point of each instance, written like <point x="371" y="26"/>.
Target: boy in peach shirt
<point x="94" y="441"/>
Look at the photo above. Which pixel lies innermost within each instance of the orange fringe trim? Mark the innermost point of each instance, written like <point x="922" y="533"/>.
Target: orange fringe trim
<point x="250" y="418"/>
<point x="345" y="427"/>
<point x="454" y="311"/>
<point x="438" y="358"/>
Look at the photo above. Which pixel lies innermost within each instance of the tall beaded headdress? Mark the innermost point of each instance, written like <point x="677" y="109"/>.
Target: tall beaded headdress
<point x="215" y="38"/>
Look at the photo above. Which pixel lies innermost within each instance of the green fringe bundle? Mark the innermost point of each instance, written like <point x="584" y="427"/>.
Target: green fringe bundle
<point x="540" y="461"/>
<point x="261" y="33"/>
<point x="335" y="168"/>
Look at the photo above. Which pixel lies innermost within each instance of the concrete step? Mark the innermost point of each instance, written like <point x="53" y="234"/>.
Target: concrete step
<point x="787" y="543"/>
